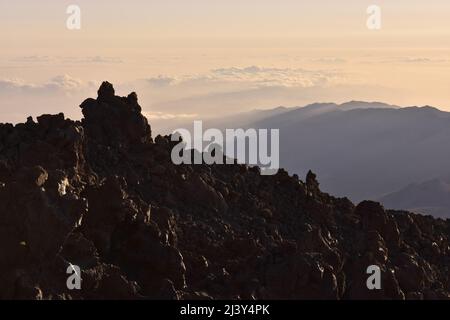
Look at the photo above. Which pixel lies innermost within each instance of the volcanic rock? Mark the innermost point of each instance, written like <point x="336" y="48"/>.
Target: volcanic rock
<point x="102" y="195"/>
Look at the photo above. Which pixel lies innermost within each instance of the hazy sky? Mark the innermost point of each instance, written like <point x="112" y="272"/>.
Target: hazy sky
<point x="187" y="58"/>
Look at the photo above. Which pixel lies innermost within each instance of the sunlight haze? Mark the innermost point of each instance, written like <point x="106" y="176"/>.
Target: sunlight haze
<point x="186" y="58"/>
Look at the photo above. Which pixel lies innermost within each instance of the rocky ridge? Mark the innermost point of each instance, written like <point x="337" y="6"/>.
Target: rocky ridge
<point x="102" y="194"/>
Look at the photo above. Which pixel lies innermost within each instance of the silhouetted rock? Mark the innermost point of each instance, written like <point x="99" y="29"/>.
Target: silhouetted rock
<point x="106" y="91"/>
<point x="100" y="194"/>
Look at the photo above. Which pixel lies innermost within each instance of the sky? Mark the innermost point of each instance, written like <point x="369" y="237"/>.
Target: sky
<point x="203" y="58"/>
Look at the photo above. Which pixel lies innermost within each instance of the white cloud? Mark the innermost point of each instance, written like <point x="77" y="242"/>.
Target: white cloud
<point x="11" y="84"/>
<point x="37" y="59"/>
<point x="279" y="77"/>
<point x="161" y="81"/>
<point x="66" y="82"/>
<point x="20" y="99"/>
<point x="329" y="60"/>
<point x="93" y="60"/>
<point x="61" y="83"/>
<point x="254" y="76"/>
<point x="418" y="60"/>
<point x="32" y="59"/>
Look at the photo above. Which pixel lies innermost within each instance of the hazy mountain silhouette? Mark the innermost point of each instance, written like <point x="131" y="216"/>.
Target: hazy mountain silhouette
<point x="431" y="197"/>
<point x="360" y="149"/>
<point x="282" y="115"/>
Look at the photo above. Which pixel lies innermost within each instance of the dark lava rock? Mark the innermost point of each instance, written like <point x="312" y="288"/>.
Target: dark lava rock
<point x="101" y="195"/>
<point x="106" y="91"/>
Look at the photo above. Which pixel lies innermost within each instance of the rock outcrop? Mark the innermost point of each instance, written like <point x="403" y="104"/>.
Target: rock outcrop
<point x="101" y="194"/>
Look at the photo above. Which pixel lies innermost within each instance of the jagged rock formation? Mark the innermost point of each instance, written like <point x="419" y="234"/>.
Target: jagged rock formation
<point x="102" y="195"/>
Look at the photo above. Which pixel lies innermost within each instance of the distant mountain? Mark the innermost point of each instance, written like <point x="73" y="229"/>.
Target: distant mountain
<point x="351" y="105"/>
<point x="283" y="115"/>
<point x="243" y="119"/>
<point x="364" y="150"/>
<point x="430" y="197"/>
<point x="293" y="115"/>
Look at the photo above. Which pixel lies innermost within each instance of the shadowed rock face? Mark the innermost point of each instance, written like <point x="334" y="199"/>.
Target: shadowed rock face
<point x="102" y="195"/>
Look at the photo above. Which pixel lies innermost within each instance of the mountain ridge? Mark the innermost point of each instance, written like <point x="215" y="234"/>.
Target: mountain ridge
<point x="103" y="194"/>
<point x="431" y="196"/>
<point x="342" y="145"/>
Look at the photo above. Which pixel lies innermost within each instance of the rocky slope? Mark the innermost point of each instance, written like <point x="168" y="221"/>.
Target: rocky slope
<point x="103" y="195"/>
<point x="358" y="141"/>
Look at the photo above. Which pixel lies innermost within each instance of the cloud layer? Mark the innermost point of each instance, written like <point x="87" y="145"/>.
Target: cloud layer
<point x="254" y="76"/>
<point x="167" y="99"/>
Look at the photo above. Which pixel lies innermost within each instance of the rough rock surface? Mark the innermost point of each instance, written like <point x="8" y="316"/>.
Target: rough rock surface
<point x="103" y="195"/>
